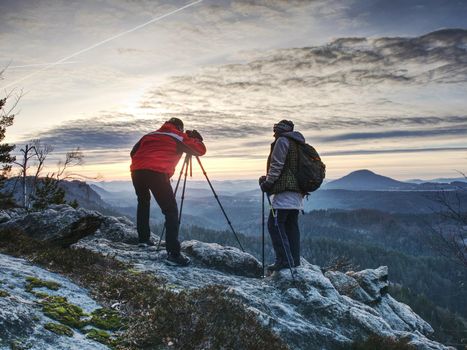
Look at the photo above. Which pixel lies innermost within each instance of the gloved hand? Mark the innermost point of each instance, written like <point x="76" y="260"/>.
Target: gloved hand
<point x="194" y="134"/>
<point x="265" y="185"/>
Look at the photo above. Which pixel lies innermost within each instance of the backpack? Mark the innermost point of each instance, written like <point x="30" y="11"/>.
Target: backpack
<point x="311" y="170"/>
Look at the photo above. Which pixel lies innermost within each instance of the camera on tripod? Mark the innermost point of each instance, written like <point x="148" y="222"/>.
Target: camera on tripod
<point x="194" y="134"/>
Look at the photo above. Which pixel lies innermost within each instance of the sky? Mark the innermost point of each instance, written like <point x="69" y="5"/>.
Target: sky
<point x="371" y="84"/>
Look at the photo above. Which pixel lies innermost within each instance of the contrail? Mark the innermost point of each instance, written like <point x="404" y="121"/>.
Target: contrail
<point x="50" y="65"/>
<point x="38" y="65"/>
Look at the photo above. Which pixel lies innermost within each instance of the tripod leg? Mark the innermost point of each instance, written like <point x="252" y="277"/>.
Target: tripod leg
<point x="185" y="162"/>
<point x="181" y="173"/>
<point x="183" y="191"/>
<point x="219" y="202"/>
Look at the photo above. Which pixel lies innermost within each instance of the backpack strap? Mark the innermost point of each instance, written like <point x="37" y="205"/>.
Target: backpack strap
<point x="171" y="134"/>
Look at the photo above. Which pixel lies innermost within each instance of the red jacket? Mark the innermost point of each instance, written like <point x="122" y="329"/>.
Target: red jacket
<point x="161" y="150"/>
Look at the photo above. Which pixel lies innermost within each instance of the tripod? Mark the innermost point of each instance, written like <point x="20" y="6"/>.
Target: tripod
<point x="188" y="165"/>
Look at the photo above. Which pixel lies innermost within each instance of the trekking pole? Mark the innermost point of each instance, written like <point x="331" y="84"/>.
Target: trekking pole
<point x="262" y="231"/>
<point x="218" y="201"/>
<point x="175" y="194"/>
<point x="287" y="252"/>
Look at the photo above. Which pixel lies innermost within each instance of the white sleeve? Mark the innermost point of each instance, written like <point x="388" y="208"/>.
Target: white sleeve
<point x="278" y="157"/>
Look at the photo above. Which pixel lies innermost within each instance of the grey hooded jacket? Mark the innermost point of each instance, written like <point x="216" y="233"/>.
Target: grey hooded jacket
<point x="283" y="200"/>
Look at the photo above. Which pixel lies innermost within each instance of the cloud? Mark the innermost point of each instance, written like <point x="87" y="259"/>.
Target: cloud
<point x="242" y="101"/>
<point x="393" y="151"/>
<point x="459" y="130"/>
<point x="369" y="91"/>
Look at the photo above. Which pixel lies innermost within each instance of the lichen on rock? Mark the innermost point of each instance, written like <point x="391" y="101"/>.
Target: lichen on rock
<point x="34" y="282"/>
<point x="59" y="309"/>
<point x="101" y="337"/>
<point x="59" y="329"/>
<point x="106" y="318"/>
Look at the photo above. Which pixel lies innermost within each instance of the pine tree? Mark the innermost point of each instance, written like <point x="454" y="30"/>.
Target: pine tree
<point x="6" y="120"/>
<point x="48" y="192"/>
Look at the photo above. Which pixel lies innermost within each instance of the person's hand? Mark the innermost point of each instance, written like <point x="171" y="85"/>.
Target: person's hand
<point x="194" y="134"/>
<point x="265" y="185"/>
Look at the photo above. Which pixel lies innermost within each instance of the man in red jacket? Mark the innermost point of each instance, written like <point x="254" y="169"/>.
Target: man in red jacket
<point x="153" y="162"/>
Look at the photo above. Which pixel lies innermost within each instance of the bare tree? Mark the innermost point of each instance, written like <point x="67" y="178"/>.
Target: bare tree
<point x="450" y="237"/>
<point x="27" y="152"/>
<point x="47" y="190"/>
<point x="72" y="158"/>
<point x="42" y="151"/>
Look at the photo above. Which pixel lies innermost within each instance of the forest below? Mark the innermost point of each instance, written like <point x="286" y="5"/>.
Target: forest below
<point x="432" y="284"/>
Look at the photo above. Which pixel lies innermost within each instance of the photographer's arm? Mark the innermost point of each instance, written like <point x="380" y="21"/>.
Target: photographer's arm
<point x="193" y="145"/>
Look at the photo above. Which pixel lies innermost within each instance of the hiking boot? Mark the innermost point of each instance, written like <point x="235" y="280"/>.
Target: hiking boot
<point x="178" y="260"/>
<point x="278" y="265"/>
<point x="146" y="244"/>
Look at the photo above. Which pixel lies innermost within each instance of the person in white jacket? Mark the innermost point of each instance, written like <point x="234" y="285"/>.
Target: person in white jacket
<point x="281" y="185"/>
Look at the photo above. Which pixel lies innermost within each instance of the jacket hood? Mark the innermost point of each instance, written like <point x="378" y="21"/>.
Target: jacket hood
<point x="294" y="135"/>
<point x="170" y="128"/>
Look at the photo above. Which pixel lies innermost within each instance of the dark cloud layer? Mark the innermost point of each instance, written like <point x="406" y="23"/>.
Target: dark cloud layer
<point x="393" y="150"/>
<point x="107" y="133"/>
<point x="460" y="130"/>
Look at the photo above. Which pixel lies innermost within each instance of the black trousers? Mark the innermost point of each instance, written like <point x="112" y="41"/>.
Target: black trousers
<point x="146" y="182"/>
<point x="285" y="235"/>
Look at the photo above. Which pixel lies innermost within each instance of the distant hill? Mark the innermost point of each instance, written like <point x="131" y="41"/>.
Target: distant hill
<point x="445" y="180"/>
<point x="366" y="180"/>
<point x="225" y="186"/>
<point x="74" y="190"/>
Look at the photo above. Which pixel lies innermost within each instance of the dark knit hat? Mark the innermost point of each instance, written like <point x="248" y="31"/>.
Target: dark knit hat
<point x="283" y="126"/>
<point x="177" y="122"/>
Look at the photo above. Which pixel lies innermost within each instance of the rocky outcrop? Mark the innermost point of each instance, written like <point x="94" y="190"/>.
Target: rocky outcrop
<point x="59" y="224"/>
<point x="312" y="310"/>
<point x="227" y="259"/>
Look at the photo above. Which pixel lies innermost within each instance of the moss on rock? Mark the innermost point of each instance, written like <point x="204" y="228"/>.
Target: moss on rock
<point x="40" y="295"/>
<point x="158" y="318"/>
<point x="59" y="329"/>
<point x="4" y="294"/>
<point x="34" y="282"/>
<point x="101" y="337"/>
<point x="106" y="318"/>
<point x="59" y="309"/>
<point x="20" y="345"/>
